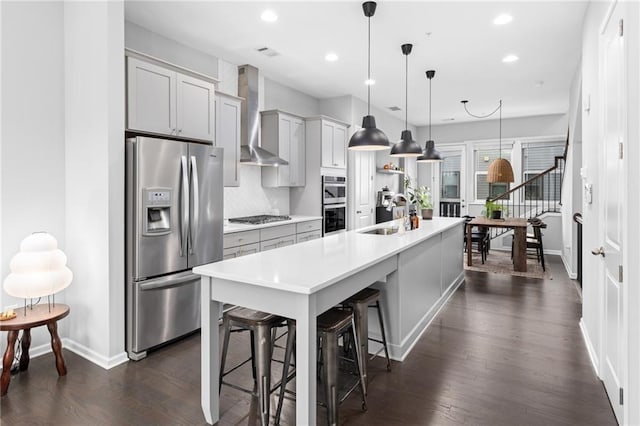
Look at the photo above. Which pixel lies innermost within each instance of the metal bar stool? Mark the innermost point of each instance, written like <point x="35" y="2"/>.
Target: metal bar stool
<point x="262" y="326"/>
<point x="331" y="325"/>
<point x="360" y="304"/>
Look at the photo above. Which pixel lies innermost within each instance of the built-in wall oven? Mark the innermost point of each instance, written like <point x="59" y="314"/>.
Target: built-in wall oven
<point x="334" y="204"/>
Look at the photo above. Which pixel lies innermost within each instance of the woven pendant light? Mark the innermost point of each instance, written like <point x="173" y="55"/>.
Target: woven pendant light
<point x="500" y="170"/>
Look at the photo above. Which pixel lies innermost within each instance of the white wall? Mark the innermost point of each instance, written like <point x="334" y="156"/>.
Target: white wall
<point x="94" y="128"/>
<point x="143" y="40"/>
<point x="279" y="96"/>
<point x="533" y="126"/>
<point x="571" y="186"/>
<point x="32" y="159"/>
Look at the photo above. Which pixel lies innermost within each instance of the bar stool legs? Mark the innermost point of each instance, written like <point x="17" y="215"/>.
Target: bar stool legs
<point x="286" y="376"/>
<point x="360" y="304"/>
<point x="261" y="325"/>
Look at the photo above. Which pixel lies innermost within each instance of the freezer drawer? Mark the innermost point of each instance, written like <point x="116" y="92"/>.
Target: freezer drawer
<point x="164" y="308"/>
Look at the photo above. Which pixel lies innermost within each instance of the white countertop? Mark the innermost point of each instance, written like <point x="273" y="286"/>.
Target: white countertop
<point x="239" y="227"/>
<point x="310" y="266"/>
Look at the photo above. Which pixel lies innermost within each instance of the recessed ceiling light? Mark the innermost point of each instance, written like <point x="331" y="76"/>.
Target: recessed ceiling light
<point x="539" y="83"/>
<point x="331" y="57"/>
<point x="510" y="58"/>
<point x="269" y="16"/>
<point x="370" y="82"/>
<point x="502" y="19"/>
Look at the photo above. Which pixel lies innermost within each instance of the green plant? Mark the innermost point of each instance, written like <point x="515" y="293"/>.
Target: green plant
<point x="491" y="206"/>
<point x="420" y="195"/>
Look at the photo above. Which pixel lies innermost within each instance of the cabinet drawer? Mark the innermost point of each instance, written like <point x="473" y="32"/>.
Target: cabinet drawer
<point x="230" y="253"/>
<point x="277" y="232"/>
<point x="308" y="236"/>
<point x="241" y="238"/>
<point x="312" y="225"/>
<point x="277" y="243"/>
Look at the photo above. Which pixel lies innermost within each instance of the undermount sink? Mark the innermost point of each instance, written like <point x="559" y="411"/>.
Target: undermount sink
<point x="381" y="231"/>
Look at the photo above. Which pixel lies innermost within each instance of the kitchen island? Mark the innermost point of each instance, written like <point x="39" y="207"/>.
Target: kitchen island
<point x="416" y="272"/>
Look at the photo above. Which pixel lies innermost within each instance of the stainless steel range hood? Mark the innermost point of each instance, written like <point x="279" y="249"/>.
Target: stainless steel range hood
<point x="250" y="151"/>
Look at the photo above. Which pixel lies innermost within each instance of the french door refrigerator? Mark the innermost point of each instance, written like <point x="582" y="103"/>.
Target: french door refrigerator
<point x="173" y="223"/>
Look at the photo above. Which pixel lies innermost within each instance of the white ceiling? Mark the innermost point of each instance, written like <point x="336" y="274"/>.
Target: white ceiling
<point x="464" y="47"/>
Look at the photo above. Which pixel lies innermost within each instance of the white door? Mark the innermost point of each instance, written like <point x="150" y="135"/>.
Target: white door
<point x="285" y="124"/>
<point x="327" y="143"/>
<point x="297" y="159"/>
<point x="450" y="178"/>
<point x="364" y="167"/>
<point x="613" y="359"/>
<point x="151" y="98"/>
<point x="339" y="146"/>
<point x="195" y="108"/>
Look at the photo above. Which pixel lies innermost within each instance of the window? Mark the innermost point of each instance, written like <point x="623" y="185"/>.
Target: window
<point x="483" y="189"/>
<point x="450" y="177"/>
<point x="536" y="159"/>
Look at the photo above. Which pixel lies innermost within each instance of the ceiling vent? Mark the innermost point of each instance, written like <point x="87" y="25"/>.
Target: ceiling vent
<point x="395" y="108"/>
<point x="267" y="51"/>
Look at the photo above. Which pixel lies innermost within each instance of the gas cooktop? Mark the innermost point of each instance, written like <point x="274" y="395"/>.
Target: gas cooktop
<point x="259" y="219"/>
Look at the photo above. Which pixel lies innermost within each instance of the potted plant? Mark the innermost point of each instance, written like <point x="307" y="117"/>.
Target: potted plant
<point x="421" y="197"/>
<point x="494" y="210"/>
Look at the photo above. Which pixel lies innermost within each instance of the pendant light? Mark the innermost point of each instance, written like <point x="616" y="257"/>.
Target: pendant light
<point x="369" y="138"/>
<point x="431" y="154"/>
<point x="406" y="147"/>
<point x="500" y="170"/>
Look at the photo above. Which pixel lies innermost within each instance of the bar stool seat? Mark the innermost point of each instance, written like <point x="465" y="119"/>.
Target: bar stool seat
<point x="360" y="304"/>
<point x="262" y="326"/>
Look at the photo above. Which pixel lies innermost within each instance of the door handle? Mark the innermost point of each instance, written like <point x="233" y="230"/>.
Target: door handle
<point x="598" y="252"/>
<point x="184" y="204"/>
<point x="196" y="203"/>
<point x="359" y="211"/>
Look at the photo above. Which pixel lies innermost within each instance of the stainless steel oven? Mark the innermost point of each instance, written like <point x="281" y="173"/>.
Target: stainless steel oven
<point x="334" y="189"/>
<point x="334" y="218"/>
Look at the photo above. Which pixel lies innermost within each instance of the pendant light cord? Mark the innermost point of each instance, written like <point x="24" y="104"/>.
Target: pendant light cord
<point x="406" y="92"/>
<point x="499" y="108"/>
<point x="369" y="69"/>
<point x="430" y="109"/>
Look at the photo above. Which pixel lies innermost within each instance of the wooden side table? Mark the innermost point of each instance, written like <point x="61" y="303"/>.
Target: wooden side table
<point x="35" y="317"/>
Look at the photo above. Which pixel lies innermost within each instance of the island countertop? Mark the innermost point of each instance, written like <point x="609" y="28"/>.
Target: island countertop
<point x="310" y="266"/>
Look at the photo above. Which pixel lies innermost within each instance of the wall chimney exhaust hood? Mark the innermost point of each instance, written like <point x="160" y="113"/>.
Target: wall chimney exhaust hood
<point x="250" y="151"/>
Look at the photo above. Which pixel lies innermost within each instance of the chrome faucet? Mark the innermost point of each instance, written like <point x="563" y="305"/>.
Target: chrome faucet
<point x="393" y="203"/>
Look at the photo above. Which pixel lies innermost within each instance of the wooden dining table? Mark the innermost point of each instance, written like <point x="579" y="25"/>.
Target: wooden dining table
<point x="519" y="226"/>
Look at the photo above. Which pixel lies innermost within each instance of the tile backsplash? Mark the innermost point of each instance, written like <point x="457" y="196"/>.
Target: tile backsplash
<point x="250" y="198"/>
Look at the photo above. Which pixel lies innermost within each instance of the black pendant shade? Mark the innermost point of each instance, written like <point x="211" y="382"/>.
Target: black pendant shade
<point x="406" y="147"/>
<point x="369" y="138"/>
<point x="431" y="154"/>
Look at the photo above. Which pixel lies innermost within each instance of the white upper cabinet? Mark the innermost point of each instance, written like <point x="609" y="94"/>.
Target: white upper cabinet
<point x="283" y="134"/>
<point x="228" y="135"/>
<point x="334" y="144"/>
<point x="151" y="98"/>
<point x="195" y="110"/>
<point x="166" y="102"/>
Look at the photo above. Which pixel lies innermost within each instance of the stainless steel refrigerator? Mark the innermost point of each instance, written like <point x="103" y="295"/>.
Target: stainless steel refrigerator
<point x="173" y="223"/>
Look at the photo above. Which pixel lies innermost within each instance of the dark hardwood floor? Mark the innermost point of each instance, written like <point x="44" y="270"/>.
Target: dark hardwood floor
<point x="504" y="351"/>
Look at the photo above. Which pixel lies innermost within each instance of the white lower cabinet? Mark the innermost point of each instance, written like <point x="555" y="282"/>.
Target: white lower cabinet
<point x="308" y="236"/>
<point x="238" y="244"/>
<point x="231" y="252"/>
<point x="289" y="240"/>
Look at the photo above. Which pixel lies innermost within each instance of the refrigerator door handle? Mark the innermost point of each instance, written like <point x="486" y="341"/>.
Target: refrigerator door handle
<point x="167" y="282"/>
<point x="184" y="204"/>
<point x="196" y="204"/>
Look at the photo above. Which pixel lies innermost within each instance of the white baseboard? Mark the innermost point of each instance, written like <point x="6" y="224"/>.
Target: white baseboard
<point x="567" y="266"/>
<point x="94" y="357"/>
<point x="590" y="349"/>
<point x="401" y="351"/>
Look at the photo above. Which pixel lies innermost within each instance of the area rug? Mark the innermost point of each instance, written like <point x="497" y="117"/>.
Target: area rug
<point x="499" y="262"/>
